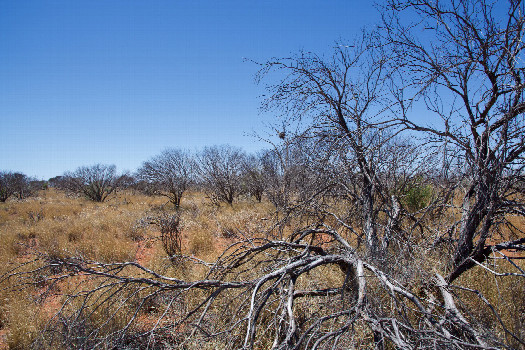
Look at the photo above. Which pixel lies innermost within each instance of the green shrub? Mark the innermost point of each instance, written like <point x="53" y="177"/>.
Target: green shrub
<point x="417" y="197"/>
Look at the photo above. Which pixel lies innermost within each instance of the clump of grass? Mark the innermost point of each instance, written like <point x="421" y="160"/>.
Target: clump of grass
<point x="60" y="226"/>
<point x="201" y="243"/>
<point x="137" y="233"/>
<point x="24" y="320"/>
<point x="97" y="233"/>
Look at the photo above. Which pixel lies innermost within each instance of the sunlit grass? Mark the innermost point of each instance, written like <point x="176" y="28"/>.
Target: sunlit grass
<point x="61" y="226"/>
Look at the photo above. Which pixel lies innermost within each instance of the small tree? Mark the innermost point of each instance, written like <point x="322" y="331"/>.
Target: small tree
<point x="168" y="174"/>
<point x="6" y="185"/>
<point x="220" y="169"/>
<point x="15" y="184"/>
<point x="95" y="182"/>
<point x="255" y="180"/>
<point x="22" y="185"/>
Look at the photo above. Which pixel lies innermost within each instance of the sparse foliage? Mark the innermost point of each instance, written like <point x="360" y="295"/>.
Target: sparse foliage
<point x="220" y="170"/>
<point x="15" y="184"/>
<point x="169" y="174"/>
<point x="470" y="82"/>
<point x="170" y="233"/>
<point x="95" y="182"/>
<point x="255" y="180"/>
<point x="344" y="98"/>
<point x="57" y="182"/>
<point x="278" y="170"/>
<point x="6" y="185"/>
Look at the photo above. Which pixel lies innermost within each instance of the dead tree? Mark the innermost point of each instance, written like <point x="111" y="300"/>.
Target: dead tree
<point x="469" y="79"/>
<point x="344" y="99"/>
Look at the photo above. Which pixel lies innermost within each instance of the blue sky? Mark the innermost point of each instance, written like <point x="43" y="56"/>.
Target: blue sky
<point x="116" y="82"/>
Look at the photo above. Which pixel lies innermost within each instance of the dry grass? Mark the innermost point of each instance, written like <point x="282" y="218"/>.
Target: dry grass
<point x="492" y="294"/>
<point x="109" y="232"/>
<point x="112" y="231"/>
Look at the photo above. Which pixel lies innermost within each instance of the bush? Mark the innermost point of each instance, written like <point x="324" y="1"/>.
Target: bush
<point x="168" y="174"/>
<point x="170" y="233"/>
<point x="417" y="197"/>
<point x="15" y="184"/>
<point x="95" y="182"/>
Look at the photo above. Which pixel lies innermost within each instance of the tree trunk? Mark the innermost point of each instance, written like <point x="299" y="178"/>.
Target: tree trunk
<point x="479" y="213"/>
<point x="369" y="220"/>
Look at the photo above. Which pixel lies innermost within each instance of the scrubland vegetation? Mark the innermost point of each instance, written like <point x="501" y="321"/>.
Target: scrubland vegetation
<point x="52" y="232"/>
<point x="56" y="226"/>
<point x="363" y="226"/>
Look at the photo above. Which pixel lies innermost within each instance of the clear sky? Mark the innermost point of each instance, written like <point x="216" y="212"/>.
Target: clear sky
<point x="116" y="82"/>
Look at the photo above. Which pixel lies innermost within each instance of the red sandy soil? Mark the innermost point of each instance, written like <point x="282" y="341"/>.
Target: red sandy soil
<point x="52" y="303"/>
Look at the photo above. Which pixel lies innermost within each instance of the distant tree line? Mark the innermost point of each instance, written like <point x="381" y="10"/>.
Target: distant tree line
<point x="291" y="172"/>
<point x="225" y="173"/>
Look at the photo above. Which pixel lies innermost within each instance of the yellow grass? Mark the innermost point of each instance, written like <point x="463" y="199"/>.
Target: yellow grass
<point x="61" y="226"/>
